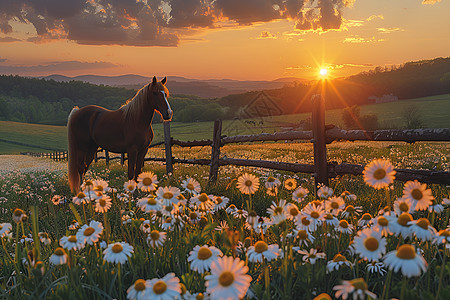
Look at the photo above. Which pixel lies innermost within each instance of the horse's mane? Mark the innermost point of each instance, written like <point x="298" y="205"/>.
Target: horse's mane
<point x="135" y="105"/>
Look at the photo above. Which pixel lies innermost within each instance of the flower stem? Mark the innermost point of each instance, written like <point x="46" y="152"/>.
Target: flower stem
<point x="404" y="284"/>
<point x="442" y="273"/>
<point x="386" y="285"/>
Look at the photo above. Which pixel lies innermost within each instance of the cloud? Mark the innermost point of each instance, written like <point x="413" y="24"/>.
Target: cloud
<point x="266" y="35"/>
<point x="305" y="67"/>
<point x="8" y="39"/>
<point x="159" y="22"/>
<point x="390" y="30"/>
<point x="430" y="1"/>
<point x="55" y="67"/>
<point x="2" y="60"/>
<point x="373" y="17"/>
<point x="355" y="39"/>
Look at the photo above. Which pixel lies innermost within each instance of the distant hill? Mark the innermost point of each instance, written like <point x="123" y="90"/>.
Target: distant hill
<point x="210" y="88"/>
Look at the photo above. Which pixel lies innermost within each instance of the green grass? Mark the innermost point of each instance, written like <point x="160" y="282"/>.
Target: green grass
<point x="435" y="112"/>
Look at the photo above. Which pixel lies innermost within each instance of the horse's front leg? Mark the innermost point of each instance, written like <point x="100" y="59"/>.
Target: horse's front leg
<point x="132" y="158"/>
<point x="139" y="162"/>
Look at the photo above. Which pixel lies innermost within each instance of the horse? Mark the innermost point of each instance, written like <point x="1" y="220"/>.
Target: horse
<point x="125" y="130"/>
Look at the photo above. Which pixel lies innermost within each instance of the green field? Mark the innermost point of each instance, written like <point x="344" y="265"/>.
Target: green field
<point x="435" y="112"/>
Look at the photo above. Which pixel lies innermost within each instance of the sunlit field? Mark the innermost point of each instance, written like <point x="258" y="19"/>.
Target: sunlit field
<point x="269" y="235"/>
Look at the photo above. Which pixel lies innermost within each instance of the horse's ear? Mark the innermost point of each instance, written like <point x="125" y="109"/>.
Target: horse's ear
<point x="154" y="80"/>
<point x="164" y="81"/>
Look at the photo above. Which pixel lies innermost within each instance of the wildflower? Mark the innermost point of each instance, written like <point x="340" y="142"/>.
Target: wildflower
<point x="365" y="220"/>
<point x="57" y="199"/>
<point x="443" y="237"/>
<point x="261" y="250"/>
<point x="100" y="186"/>
<point x="126" y="219"/>
<point x="147" y="181"/>
<point x="315" y="215"/>
<point x="407" y="260"/>
<point x="223" y="226"/>
<point x="74" y="225"/>
<point x="379" y="173"/>
<point x="240" y="214"/>
<point x="203" y="201"/>
<point x="304" y="237"/>
<point x="123" y="197"/>
<point x="292" y="212"/>
<point x="118" y="252"/>
<point x="5" y="228"/>
<point x="369" y="244"/>
<point x="272" y="182"/>
<point x="419" y="195"/>
<point x="139" y="290"/>
<point x="337" y="262"/>
<point x="202" y="257"/>
<point x="272" y="191"/>
<point x="130" y="186"/>
<point x="334" y="205"/>
<point x="381" y="224"/>
<point x="290" y="184"/>
<point x="149" y="204"/>
<point x="252" y="218"/>
<point x="348" y="196"/>
<point x="168" y="195"/>
<point x="230" y="209"/>
<point x="192" y="186"/>
<point x="87" y="185"/>
<point x="312" y="255"/>
<point x="156" y="238"/>
<point x="358" y="287"/>
<point x="422" y="229"/>
<point x="44" y="238"/>
<point x="277" y="211"/>
<point x="401" y="225"/>
<point x="19" y="215"/>
<point x="261" y="225"/>
<point x="324" y="192"/>
<point x="228" y="279"/>
<point x="403" y="205"/>
<point x="376" y="267"/>
<point x="299" y="194"/>
<point x="351" y="211"/>
<point x="331" y="220"/>
<point x="220" y="202"/>
<point x="103" y="204"/>
<point x="345" y="227"/>
<point x="435" y="207"/>
<point x="59" y="257"/>
<point x="168" y="223"/>
<point x="90" y="234"/>
<point x="167" y="287"/>
<point x="248" y="184"/>
<point x="323" y="296"/>
<point x="71" y="242"/>
<point x="80" y="198"/>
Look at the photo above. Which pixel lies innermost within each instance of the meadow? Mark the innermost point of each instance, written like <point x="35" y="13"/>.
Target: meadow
<point x="288" y="242"/>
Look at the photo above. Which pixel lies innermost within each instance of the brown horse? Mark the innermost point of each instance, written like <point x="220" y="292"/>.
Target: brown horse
<point x="125" y="130"/>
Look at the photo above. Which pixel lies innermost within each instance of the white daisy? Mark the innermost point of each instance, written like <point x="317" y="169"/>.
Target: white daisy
<point x="149" y="204"/>
<point x="80" y="198"/>
<point x="344" y="227"/>
<point x="304" y="237"/>
<point x="299" y="194"/>
<point x="324" y="192"/>
<point x="202" y="257"/>
<point x="165" y="288"/>
<point x="130" y="186"/>
<point x="406" y="260"/>
<point x="247" y="184"/>
<point x="192" y="186"/>
<point x="290" y="184"/>
<point x="5" y="228"/>
<point x="103" y="204"/>
<point x="400" y="225"/>
<point x="381" y="224"/>
<point x="90" y="234"/>
<point x="403" y="205"/>
<point x="358" y="287"/>
<point x="139" y="290"/>
<point x="44" y="238"/>
<point x="168" y="195"/>
<point x="312" y="255"/>
<point x="272" y="182"/>
<point x="337" y="262"/>
<point x="436" y="207"/>
<point x="147" y="181"/>
<point x="419" y="195"/>
<point x="334" y="205"/>
<point x="71" y="243"/>
<point x="314" y="214"/>
<point x="203" y="201"/>
<point x="59" y="257"/>
<point x="443" y="237"/>
<point x="369" y="244"/>
<point x="261" y="250"/>
<point x="118" y="253"/>
<point x="351" y="211"/>
<point x="379" y="173"/>
<point x="376" y="267"/>
<point x="365" y="220"/>
<point x="100" y="185"/>
<point x="422" y="229"/>
<point x="220" y="202"/>
<point x="156" y="238"/>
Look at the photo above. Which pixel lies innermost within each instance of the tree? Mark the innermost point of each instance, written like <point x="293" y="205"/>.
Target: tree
<point x="412" y="117"/>
<point x="350" y="117"/>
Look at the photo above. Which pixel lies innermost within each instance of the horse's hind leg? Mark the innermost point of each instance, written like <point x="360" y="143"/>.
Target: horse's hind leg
<point x="139" y="163"/>
<point x="132" y="158"/>
<point x="90" y="154"/>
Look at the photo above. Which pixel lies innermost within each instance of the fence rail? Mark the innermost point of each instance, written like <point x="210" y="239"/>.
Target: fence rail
<point x="57" y="155"/>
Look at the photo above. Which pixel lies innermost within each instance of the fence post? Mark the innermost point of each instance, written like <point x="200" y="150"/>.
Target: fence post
<point x="319" y="140"/>
<point x="215" y="151"/>
<point x="168" y="147"/>
<point x="107" y="157"/>
<point x="122" y="158"/>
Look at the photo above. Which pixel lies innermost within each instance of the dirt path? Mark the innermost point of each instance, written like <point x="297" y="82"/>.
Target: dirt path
<point x="25" y="163"/>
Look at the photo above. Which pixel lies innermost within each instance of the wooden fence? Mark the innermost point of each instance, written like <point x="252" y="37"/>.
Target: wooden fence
<point x="56" y="155"/>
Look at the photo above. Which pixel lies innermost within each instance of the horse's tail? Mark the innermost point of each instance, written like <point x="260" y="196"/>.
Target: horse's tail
<point x="74" y="176"/>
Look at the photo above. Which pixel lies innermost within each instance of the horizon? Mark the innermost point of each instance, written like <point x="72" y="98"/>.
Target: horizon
<point x="237" y="40"/>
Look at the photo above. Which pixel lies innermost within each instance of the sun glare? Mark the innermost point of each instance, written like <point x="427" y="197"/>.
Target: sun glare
<point x="323" y="72"/>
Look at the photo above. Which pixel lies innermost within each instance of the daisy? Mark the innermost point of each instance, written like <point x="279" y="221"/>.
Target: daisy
<point x="369" y="244"/>
<point x="272" y="182"/>
<point x="334" y="205"/>
<point x="381" y="224"/>
<point x="103" y="204"/>
<point x="422" y="229"/>
<point x="147" y="181"/>
<point x="365" y="220"/>
<point x="443" y="237"/>
<point x="292" y="212"/>
<point x="401" y="225"/>
<point x="19" y="215"/>
<point x="348" y="196"/>
<point x="262" y="250"/>
<point x="118" y="253"/>
<point x="435" y="207"/>
<point x="358" y="287"/>
<point x="338" y="261"/>
<point x="71" y="243"/>
<point x="419" y="195"/>
<point x="247" y="184"/>
<point x="192" y="186"/>
<point x="74" y="225"/>
<point x="5" y="228"/>
<point x="168" y="195"/>
<point x="130" y="186"/>
<point x="252" y="218"/>
<point x="240" y="214"/>
<point x="202" y="257"/>
<point x="379" y="173"/>
<point x="156" y="238"/>
<point x="59" y="257"/>
<point x="351" y="211"/>
<point x="290" y="184"/>
<point x="345" y="227"/>
<point x="315" y="215"/>
<point x="220" y="202"/>
<point x="261" y="225"/>
<point x="277" y="209"/>
<point x="403" y="205"/>
<point x="228" y="279"/>
<point x="230" y="209"/>
<point x="194" y="216"/>
<point x="203" y="201"/>
<point x="407" y="260"/>
<point x="44" y="238"/>
<point x="304" y="237"/>
<point x="149" y="204"/>
<point x="223" y="226"/>
<point x="312" y="255"/>
<point x="272" y="191"/>
<point x="57" y="199"/>
<point x="331" y="220"/>
<point x="376" y="267"/>
<point x="100" y="186"/>
<point x="139" y="290"/>
<point x="324" y="192"/>
<point x="167" y="287"/>
<point x="299" y="194"/>
<point x="90" y="234"/>
<point x="168" y="223"/>
<point x="323" y="296"/>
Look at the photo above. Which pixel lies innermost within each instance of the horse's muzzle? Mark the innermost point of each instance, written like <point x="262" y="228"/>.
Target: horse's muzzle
<point x="168" y="115"/>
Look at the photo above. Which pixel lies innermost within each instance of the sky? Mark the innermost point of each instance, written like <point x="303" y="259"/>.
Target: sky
<point x="216" y="39"/>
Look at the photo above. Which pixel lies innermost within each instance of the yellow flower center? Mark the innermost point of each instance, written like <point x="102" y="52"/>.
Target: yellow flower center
<point x="18" y="212"/>
<point x="102" y="202"/>
<point x="423" y="223"/>
<point x="193" y="215"/>
<point x="139" y="285"/>
<point x="167" y="195"/>
<point x="59" y="251"/>
<point x="151" y="201"/>
<point x="89" y="231"/>
<point x="81" y="195"/>
<point x="350" y="209"/>
<point x="444" y="233"/>
<point x="154" y="235"/>
<point x="317" y="203"/>
<point x="334" y="205"/>
<point x="359" y="284"/>
<point x="203" y="197"/>
<point x="200" y="296"/>
<point x="315" y="215"/>
<point x="382" y="221"/>
<point x="379" y="174"/>
<point x="278" y="210"/>
<point x="305" y="221"/>
<point x="417" y="194"/>
<point x="190" y="186"/>
<point x="406" y="251"/>
<point x="404" y="219"/>
<point x="366" y="217"/>
<point x="403" y="207"/>
<point x="117" y="248"/>
<point x="323" y="296"/>
<point x="247" y="242"/>
<point x="329" y="217"/>
<point x="168" y="220"/>
<point x="343" y="224"/>
<point x="371" y="243"/>
<point x="300" y="195"/>
<point x="159" y="287"/>
<point x="219" y="200"/>
<point x="98" y="188"/>
<point x="248" y="183"/>
<point x="261" y="247"/>
<point x="130" y="187"/>
<point x="88" y="183"/>
<point x="226" y="278"/>
<point x="339" y="257"/>
<point x="204" y="253"/>
<point x="293" y="211"/>
<point x="147" y="181"/>
<point x="270" y="179"/>
<point x="302" y="234"/>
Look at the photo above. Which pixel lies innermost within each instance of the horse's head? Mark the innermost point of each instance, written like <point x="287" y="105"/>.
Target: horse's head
<point x="158" y="93"/>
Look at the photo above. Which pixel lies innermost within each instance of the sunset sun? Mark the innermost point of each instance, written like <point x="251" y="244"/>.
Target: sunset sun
<point x="323" y="72"/>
